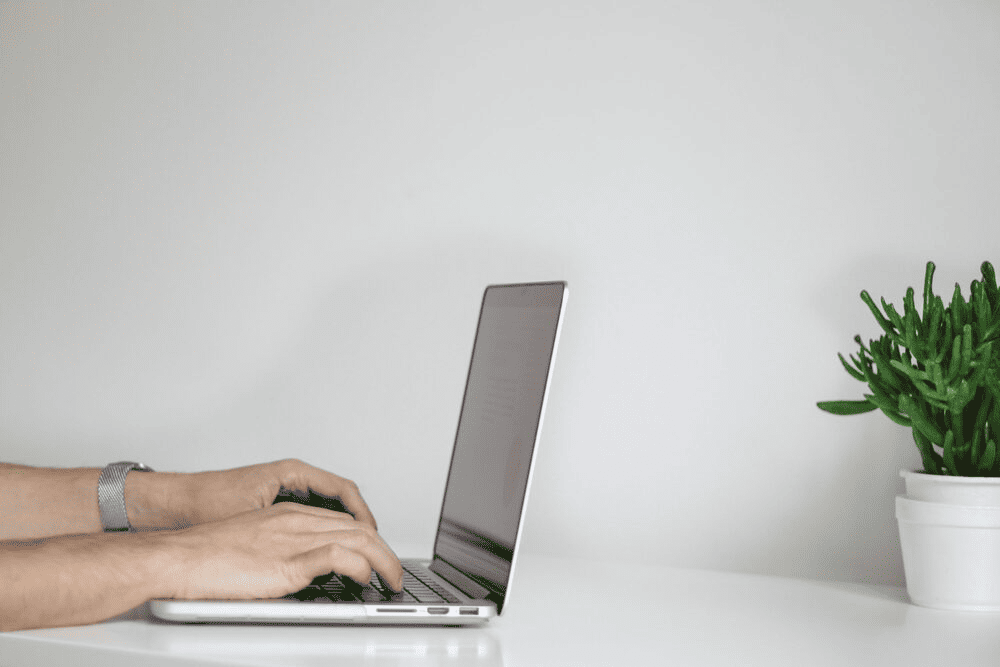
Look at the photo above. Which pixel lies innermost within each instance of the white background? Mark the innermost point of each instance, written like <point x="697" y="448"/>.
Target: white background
<point x="239" y="232"/>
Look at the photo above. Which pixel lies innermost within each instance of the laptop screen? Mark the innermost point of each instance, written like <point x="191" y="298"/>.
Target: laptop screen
<point x="497" y="430"/>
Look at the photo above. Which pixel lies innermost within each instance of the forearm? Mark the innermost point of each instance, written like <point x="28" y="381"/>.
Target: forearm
<point x="45" y="502"/>
<point x="41" y="502"/>
<point x="82" y="579"/>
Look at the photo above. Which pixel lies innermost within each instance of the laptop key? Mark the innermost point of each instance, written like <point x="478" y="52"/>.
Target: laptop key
<point x="425" y="582"/>
<point x="440" y="590"/>
<point x="445" y="595"/>
<point x="426" y="597"/>
<point x="423" y="593"/>
<point x="309" y="593"/>
<point x="401" y="597"/>
<point x="335" y="590"/>
<point x="369" y="594"/>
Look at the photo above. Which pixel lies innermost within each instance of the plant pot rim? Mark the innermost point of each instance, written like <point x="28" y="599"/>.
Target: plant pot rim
<point x="956" y="479"/>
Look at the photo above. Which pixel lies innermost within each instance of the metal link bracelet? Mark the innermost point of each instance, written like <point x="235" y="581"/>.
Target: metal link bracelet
<point x="111" y="494"/>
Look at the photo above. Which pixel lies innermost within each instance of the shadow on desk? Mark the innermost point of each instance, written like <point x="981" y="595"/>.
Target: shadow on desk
<point x="882" y="592"/>
<point x="137" y="637"/>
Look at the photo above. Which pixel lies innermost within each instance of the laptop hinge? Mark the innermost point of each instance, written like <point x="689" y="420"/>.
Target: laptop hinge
<point x="458" y="580"/>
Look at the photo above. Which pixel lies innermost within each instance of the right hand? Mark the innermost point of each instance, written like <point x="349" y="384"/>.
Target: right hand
<point x="271" y="552"/>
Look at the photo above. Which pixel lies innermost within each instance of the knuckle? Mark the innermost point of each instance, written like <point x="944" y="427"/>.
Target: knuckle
<point x="286" y="464"/>
<point x="297" y="520"/>
<point x="364" y="573"/>
<point x="337" y="552"/>
<point x="286" y="511"/>
<point x="363" y="538"/>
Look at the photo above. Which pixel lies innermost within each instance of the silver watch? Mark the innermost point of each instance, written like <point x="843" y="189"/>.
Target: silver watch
<point x="111" y="494"/>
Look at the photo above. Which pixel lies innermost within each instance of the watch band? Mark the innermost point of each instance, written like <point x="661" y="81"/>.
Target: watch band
<point x="111" y="494"/>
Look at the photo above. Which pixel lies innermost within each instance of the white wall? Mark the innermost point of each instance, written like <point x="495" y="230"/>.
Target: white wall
<point x="239" y="232"/>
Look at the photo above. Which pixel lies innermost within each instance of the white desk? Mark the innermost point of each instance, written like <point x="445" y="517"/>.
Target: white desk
<point x="687" y="617"/>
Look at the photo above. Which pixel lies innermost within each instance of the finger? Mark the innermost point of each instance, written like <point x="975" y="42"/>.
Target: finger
<point x="366" y="541"/>
<point x="351" y="497"/>
<point x="356" y="553"/>
<point x="333" y="557"/>
<point x="328" y="527"/>
<point x="304" y="477"/>
<point x="312" y="511"/>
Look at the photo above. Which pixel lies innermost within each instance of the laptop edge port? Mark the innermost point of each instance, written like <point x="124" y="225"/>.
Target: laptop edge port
<point x="469" y="611"/>
<point x="437" y="610"/>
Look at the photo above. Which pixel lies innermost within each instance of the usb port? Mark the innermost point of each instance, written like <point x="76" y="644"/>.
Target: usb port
<point x="469" y="611"/>
<point x="437" y="610"/>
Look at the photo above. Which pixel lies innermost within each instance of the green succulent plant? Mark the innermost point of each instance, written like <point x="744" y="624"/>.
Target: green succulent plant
<point x="938" y="374"/>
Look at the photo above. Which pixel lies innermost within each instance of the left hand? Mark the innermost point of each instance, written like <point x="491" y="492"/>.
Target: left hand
<point x="165" y="500"/>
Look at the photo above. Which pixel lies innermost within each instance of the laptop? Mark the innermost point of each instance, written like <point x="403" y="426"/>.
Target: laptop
<point x="468" y="577"/>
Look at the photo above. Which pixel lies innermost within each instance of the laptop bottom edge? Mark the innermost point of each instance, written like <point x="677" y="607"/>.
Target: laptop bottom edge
<point x="286" y="611"/>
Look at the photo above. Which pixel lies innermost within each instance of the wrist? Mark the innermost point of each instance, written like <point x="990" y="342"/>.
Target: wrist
<point x="148" y="564"/>
<point x="164" y="559"/>
<point x="155" y="500"/>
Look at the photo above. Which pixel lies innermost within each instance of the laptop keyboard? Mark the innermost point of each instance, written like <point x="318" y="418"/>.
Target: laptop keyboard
<point x="418" y="587"/>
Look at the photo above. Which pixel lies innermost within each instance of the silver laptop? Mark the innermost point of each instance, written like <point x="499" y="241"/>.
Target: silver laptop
<point x="467" y="580"/>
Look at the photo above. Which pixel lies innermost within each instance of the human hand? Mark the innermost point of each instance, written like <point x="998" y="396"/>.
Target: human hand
<point x="175" y="500"/>
<point x="274" y="551"/>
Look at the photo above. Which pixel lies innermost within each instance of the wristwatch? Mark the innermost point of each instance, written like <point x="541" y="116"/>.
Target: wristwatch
<point x="111" y="494"/>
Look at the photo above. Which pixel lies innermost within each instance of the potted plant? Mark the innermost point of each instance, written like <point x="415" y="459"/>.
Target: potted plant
<point x="937" y="372"/>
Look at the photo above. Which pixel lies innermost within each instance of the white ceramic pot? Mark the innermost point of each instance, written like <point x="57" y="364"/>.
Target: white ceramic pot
<point x="951" y="554"/>
<point x="971" y="491"/>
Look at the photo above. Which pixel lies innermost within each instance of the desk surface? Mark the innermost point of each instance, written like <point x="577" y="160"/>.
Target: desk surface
<point x="684" y="617"/>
